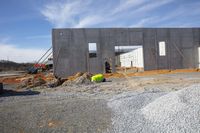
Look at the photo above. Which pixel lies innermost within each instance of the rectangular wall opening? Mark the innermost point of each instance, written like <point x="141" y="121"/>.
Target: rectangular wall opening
<point x="162" y="48"/>
<point x="129" y="58"/>
<point x="92" y="50"/>
<point x="198" y="57"/>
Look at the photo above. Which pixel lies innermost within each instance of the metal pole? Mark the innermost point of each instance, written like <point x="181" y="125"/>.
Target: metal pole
<point x="44" y="55"/>
<point x="46" y="58"/>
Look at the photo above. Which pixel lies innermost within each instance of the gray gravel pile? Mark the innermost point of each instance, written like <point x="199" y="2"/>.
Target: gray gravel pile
<point x="175" y="112"/>
<point x="127" y="117"/>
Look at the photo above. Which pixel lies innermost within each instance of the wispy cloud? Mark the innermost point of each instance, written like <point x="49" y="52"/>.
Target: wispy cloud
<point x="88" y="21"/>
<point x="142" y="22"/>
<point x="174" y="18"/>
<point x="39" y="37"/>
<point x="152" y="5"/>
<point x="127" y="4"/>
<point x="82" y="13"/>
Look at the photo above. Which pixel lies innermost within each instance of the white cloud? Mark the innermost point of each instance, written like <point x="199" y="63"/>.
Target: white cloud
<point x="20" y="55"/>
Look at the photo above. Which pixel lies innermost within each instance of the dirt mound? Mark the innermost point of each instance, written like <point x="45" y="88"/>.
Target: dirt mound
<point x="49" y="77"/>
<point x="73" y="77"/>
<point x="49" y="80"/>
<point x="55" y="82"/>
<point x="78" y="79"/>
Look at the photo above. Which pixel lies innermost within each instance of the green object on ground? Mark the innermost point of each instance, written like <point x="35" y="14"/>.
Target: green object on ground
<point x="97" y="78"/>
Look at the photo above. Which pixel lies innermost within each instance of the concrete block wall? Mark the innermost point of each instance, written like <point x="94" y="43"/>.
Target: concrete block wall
<point x="71" y="54"/>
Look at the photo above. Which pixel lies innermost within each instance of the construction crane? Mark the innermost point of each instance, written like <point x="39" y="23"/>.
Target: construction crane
<point x="44" y="63"/>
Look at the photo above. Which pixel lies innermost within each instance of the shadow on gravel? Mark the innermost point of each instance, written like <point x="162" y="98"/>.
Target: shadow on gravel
<point x="8" y="93"/>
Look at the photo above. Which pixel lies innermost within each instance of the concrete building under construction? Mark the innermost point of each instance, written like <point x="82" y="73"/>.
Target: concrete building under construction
<point x="87" y="49"/>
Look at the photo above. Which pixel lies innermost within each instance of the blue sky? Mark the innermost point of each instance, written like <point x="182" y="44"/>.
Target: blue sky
<point x="25" y="25"/>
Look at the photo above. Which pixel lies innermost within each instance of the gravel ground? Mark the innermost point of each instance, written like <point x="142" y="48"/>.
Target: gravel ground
<point x="53" y="113"/>
<point x="162" y="103"/>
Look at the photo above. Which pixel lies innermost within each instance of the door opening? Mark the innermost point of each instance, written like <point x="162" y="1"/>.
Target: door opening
<point x="129" y="58"/>
<point x="108" y="65"/>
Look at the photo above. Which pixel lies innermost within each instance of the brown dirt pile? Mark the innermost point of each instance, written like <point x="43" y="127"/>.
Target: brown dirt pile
<point x="78" y="79"/>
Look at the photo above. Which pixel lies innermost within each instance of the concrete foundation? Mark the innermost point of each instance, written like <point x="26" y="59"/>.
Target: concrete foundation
<point x="71" y="54"/>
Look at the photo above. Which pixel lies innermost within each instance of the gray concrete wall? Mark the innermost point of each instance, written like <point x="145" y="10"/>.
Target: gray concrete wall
<point x="71" y="54"/>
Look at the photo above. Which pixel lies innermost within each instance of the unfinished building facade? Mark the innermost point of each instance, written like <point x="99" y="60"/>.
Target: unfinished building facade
<point x="87" y="49"/>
